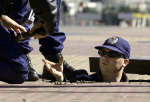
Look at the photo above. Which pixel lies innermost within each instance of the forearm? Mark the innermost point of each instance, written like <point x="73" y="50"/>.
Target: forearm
<point x="74" y="74"/>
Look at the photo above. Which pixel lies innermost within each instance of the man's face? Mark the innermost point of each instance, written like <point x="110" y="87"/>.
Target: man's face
<point x="110" y="63"/>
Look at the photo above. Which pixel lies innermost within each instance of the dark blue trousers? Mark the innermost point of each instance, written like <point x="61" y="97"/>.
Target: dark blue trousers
<point x="13" y="71"/>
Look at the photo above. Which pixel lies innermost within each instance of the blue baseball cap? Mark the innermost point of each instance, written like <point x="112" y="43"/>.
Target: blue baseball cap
<point x="117" y="44"/>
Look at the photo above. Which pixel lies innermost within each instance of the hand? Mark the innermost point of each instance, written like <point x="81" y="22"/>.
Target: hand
<point x="55" y="68"/>
<point x="10" y="24"/>
<point x="35" y="27"/>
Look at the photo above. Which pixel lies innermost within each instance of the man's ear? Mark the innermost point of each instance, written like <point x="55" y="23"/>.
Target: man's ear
<point x="126" y="62"/>
<point x="123" y="64"/>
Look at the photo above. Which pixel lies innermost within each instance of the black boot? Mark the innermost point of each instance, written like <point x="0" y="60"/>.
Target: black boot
<point x="32" y="75"/>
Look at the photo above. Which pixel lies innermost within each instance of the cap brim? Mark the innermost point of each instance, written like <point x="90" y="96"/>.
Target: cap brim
<point x="108" y="47"/>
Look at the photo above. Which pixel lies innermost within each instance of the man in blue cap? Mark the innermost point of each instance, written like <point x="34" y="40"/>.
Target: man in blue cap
<point x="13" y="59"/>
<point x="114" y="57"/>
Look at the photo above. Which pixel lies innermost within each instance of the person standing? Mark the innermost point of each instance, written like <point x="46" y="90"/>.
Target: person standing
<point x="13" y="60"/>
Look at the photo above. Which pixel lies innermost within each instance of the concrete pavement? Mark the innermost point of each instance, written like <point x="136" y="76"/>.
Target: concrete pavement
<point x="78" y="47"/>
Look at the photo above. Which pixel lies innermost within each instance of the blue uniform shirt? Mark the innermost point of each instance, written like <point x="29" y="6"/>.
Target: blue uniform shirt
<point x="82" y="75"/>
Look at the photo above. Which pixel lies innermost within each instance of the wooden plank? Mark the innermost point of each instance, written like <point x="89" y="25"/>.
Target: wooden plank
<point x="136" y="66"/>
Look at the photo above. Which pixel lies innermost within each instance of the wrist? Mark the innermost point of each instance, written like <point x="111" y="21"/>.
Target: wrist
<point x="2" y="17"/>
